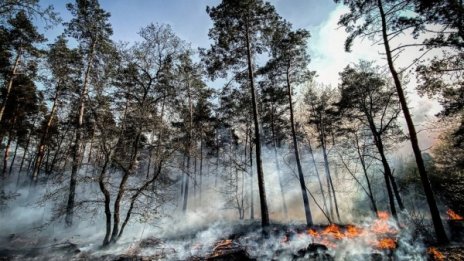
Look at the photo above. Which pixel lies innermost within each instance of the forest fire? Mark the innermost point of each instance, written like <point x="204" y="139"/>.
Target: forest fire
<point x="435" y="254"/>
<point x="240" y="133"/>
<point x="381" y="230"/>
<point x="453" y="215"/>
<point x="378" y="237"/>
<point x="386" y="243"/>
<point x="221" y="246"/>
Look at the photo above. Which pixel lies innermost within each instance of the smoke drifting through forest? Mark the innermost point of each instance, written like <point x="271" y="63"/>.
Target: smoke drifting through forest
<point x="206" y="222"/>
<point x="126" y="142"/>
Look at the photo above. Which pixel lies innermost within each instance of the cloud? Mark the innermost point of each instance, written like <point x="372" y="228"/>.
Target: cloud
<point x="327" y="48"/>
<point x="329" y="58"/>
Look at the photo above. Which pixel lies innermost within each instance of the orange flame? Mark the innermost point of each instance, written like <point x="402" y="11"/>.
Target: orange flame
<point x="383" y="231"/>
<point x="381" y="226"/>
<point x="383" y="215"/>
<point x="312" y="232"/>
<point x="333" y="230"/>
<point x="453" y="215"/>
<point x="386" y="243"/>
<point x="436" y="255"/>
<point x="353" y="231"/>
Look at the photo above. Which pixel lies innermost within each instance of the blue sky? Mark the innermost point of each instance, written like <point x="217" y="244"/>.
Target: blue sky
<point x="188" y="18"/>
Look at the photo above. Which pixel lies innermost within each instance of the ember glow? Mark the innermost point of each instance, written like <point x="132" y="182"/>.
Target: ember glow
<point x="453" y="215"/>
<point x="379" y="234"/>
<point x="381" y="225"/>
<point x="332" y="231"/>
<point x="386" y="243"/>
<point x="353" y="231"/>
<point x="436" y="255"/>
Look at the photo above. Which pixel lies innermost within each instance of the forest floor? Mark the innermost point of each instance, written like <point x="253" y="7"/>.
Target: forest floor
<point x="242" y="242"/>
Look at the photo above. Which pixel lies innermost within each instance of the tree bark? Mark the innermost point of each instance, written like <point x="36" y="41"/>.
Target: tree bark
<point x="78" y="141"/>
<point x="10" y="84"/>
<point x="252" y="197"/>
<point x="14" y="158"/>
<point x="107" y="196"/>
<point x="136" y="195"/>
<point x="201" y="166"/>
<point x="437" y="222"/>
<point x="186" y="186"/>
<point x="386" y="167"/>
<point x="29" y="137"/>
<point x="309" y="218"/>
<point x="366" y="176"/>
<point x="259" y="164"/>
<point x="189" y="146"/>
<point x="318" y="177"/>
<point x="396" y="191"/>
<point x="41" y="146"/>
<point x="331" y="188"/>
<point x="6" y="155"/>
<point x="276" y="158"/>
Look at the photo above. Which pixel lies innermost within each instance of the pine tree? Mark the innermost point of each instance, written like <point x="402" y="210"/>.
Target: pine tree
<point x="289" y="61"/>
<point x="64" y="64"/>
<point x="366" y="96"/>
<point x="240" y="32"/>
<point x="90" y="27"/>
<point x="22" y="39"/>
<point x="383" y="18"/>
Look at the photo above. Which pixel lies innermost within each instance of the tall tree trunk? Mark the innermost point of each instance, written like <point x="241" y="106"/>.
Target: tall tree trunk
<point x="137" y="194"/>
<point x="259" y="163"/>
<point x="26" y="148"/>
<point x="23" y="158"/>
<point x="386" y="167"/>
<point x="108" y="159"/>
<point x="243" y="195"/>
<point x="437" y="223"/>
<point x="309" y="218"/>
<point x="182" y="180"/>
<point x="122" y="189"/>
<point x="14" y="158"/>
<point x="189" y="147"/>
<point x="6" y="156"/>
<point x="386" y="174"/>
<point x="252" y="197"/>
<point x="117" y="206"/>
<point x="331" y="188"/>
<point x="186" y="185"/>
<point x="160" y="133"/>
<point x="51" y="167"/>
<point x="396" y="191"/>
<point x="217" y="153"/>
<point x="10" y="84"/>
<point x="77" y="142"/>
<point x="41" y="146"/>
<point x="276" y="158"/>
<point x="201" y="166"/>
<point x="195" y="176"/>
<point x="107" y="196"/>
<point x="366" y="176"/>
<point x="313" y="159"/>
<point x="89" y="157"/>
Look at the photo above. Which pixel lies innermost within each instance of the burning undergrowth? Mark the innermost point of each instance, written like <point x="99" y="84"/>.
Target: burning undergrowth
<point x="195" y="235"/>
<point x="376" y="239"/>
<point x="380" y="238"/>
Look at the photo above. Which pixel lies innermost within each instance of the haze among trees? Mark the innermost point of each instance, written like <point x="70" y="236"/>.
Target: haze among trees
<point x="131" y="131"/>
